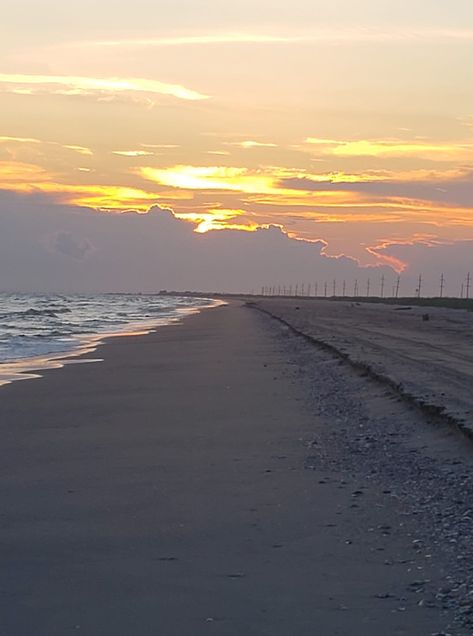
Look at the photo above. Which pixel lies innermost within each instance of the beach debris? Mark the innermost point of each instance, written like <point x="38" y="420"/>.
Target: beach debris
<point x="384" y="595"/>
<point x="236" y="575"/>
<point x="418" y="586"/>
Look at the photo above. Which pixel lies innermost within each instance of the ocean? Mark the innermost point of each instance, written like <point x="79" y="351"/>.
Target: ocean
<point x="33" y="326"/>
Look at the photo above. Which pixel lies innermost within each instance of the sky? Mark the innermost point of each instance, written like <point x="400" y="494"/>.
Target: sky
<point x="341" y="129"/>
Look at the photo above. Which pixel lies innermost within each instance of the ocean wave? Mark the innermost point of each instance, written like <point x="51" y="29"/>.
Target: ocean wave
<point x="32" y="325"/>
<point x="31" y="311"/>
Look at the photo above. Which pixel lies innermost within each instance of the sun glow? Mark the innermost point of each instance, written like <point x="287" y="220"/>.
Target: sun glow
<point x="209" y="178"/>
<point x="219" y="219"/>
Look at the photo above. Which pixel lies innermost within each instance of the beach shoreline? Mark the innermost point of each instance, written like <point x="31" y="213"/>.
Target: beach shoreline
<point x="30" y="368"/>
<point x="222" y="474"/>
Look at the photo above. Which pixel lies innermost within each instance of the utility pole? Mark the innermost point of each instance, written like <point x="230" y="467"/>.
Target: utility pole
<point x="325" y="290"/>
<point x="382" y="286"/>
<point x="290" y="290"/>
<point x="461" y="291"/>
<point x="302" y="289"/>
<point x="316" y="289"/>
<point x="398" y="283"/>
<point x="442" y="285"/>
<point x="355" y="290"/>
<point x="419" y="288"/>
<point x="344" y="288"/>
<point x="334" y="288"/>
<point x="309" y="289"/>
<point x="468" y="283"/>
<point x="368" y="285"/>
<point x="297" y="290"/>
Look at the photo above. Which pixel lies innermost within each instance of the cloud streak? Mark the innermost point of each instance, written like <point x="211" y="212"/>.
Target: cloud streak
<point x="76" y="85"/>
<point x="323" y="35"/>
<point x="82" y="150"/>
<point x="456" y="191"/>
<point x="434" y="151"/>
<point x="132" y="153"/>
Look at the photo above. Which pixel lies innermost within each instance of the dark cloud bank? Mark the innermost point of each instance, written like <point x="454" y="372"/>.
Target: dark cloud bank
<point x="48" y="247"/>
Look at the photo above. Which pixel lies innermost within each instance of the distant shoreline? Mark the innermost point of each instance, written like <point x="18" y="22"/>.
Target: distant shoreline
<point x="450" y="302"/>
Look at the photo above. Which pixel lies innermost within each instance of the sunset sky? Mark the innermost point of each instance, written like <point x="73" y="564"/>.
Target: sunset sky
<point x="345" y="122"/>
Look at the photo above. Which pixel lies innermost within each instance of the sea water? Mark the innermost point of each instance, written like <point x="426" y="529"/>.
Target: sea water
<point x="34" y="326"/>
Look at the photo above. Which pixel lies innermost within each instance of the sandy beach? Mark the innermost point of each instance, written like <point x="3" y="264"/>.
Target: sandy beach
<point x="226" y="476"/>
<point x="425" y="353"/>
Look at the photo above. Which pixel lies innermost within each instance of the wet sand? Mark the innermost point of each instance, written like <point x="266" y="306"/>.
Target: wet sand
<point x="222" y="476"/>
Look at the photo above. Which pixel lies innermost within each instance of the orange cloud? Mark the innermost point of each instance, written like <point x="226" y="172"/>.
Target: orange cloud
<point x="13" y="173"/>
<point x="453" y="151"/>
<point x="209" y="178"/>
<point x="132" y="153"/>
<point x="249" y="144"/>
<point x="12" y="141"/>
